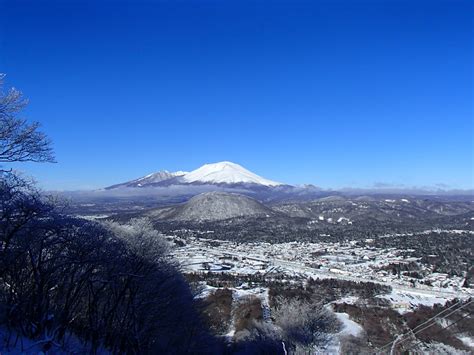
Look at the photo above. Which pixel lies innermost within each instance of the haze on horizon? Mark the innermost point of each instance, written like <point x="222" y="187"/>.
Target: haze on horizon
<point x="335" y="94"/>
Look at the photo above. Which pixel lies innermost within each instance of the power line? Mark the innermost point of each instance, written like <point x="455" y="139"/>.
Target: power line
<point x="413" y="332"/>
<point x="432" y="324"/>
<point x="437" y="315"/>
<point x="444" y="317"/>
<point x="442" y="329"/>
<point x="419" y="325"/>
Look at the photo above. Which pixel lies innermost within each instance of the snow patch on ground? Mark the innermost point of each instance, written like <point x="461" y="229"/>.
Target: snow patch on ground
<point x="347" y="300"/>
<point x="403" y="301"/>
<point x="467" y="340"/>
<point x="243" y="291"/>
<point x="205" y="291"/>
<point x="349" y="327"/>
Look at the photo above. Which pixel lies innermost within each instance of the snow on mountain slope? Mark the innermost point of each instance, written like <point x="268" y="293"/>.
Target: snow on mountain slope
<point x="219" y="173"/>
<point x="159" y="176"/>
<point x="215" y="206"/>
<point x="226" y="173"/>
<point x="153" y="178"/>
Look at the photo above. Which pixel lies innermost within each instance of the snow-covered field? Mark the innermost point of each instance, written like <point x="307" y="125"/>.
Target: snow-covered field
<point x="403" y="301"/>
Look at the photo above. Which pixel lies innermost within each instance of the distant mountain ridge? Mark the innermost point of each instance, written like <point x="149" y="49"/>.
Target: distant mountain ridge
<point x="149" y="179"/>
<point x="325" y="211"/>
<point x="221" y="173"/>
<point x="173" y="187"/>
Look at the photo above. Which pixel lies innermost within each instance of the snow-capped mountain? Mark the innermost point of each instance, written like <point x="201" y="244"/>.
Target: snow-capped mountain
<point x="222" y="173"/>
<point x="223" y="176"/>
<point x="159" y="176"/>
<point x="150" y="179"/>
<point x="226" y="172"/>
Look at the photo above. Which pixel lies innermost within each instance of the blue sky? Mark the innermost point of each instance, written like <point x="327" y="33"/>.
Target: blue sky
<point x="334" y="93"/>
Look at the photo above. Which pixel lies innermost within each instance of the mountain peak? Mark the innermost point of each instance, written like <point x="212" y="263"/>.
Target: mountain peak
<point x="226" y="172"/>
<point x="160" y="176"/>
<point x="149" y="179"/>
<point x="218" y="206"/>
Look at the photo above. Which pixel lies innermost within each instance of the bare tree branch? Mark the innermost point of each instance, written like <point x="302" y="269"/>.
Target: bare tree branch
<point x="20" y="141"/>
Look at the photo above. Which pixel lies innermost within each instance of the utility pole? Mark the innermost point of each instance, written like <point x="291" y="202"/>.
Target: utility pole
<point x="392" y="349"/>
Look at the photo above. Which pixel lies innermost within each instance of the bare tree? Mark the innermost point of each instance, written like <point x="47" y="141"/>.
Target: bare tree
<point x="20" y="141"/>
<point x="305" y="325"/>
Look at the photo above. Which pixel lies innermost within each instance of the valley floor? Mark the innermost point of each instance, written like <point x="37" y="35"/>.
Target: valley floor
<point x="268" y="271"/>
